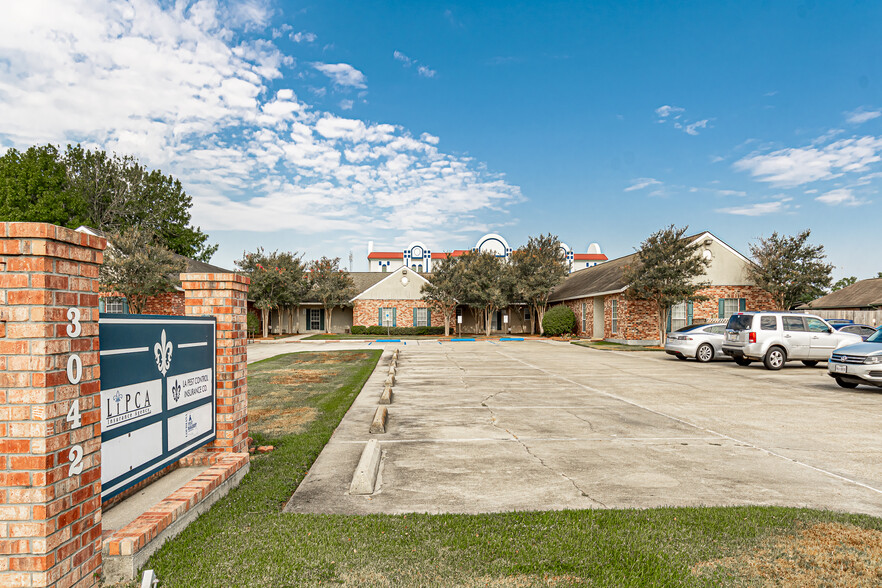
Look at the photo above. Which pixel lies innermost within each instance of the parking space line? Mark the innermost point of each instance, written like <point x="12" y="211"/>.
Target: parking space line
<point x="696" y="426"/>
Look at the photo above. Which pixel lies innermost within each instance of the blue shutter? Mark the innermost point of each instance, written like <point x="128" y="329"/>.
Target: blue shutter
<point x="689" y="313"/>
<point x="670" y="309"/>
<point x="394" y="317"/>
<point x="380" y="316"/>
<point x="742" y="304"/>
<point x="100" y="305"/>
<point x="414" y="317"/>
<point x="722" y="308"/>
<point x="125" y="306"/>
<point x="428" y="317"/>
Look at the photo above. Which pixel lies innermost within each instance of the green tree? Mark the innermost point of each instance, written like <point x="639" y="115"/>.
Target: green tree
<point x="539" y="267"/>
<point x="296" y="288"/>
<point x="789" y="268"/>
<point x="330" y="285"/>
<point x="269" y="281"/>
<point x="137" y="268"/>
<point x="441" y="293"/>
<point x="33" y="188"/>
<point x="843" y="283"/>
<point x="110" y="193"/>
<point x="485" y="284"/>
<point x="879" y="275"/>
<point x="666" y="271"/>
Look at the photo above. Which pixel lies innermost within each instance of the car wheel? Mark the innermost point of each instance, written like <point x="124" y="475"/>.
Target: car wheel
<point x="845" y="384"/>
<point x="705" y="353"/>
<point x="809" y="362"/>
<point x="741" y="360"/>
<point x="775" y="358"/>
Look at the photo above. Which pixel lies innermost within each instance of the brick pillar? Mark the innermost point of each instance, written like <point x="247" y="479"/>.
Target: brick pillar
<point x="225" y="296"/>
<point x="50" y="432"/>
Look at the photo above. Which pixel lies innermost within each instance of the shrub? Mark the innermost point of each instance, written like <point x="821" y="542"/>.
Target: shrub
<point x="558" y="320"/>
<point x="253" y="324"/>
<point x="378" y="330"/>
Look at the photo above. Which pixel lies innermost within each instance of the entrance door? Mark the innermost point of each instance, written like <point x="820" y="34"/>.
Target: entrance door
<point x="598" y="318"/>
<point x="315" y="319"/>
<point x="822" y="342"/>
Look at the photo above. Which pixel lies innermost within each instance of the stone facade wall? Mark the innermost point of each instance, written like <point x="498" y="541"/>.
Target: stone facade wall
<point x="637" y="319"/>
<point x="170" y="303"/>
<point x="708" y="311"/>
<point x="366" y="312"/>
<point x="50" y="432"/>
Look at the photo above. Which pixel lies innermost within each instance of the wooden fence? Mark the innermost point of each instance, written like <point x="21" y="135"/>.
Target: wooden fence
<point x="864" y="317"/>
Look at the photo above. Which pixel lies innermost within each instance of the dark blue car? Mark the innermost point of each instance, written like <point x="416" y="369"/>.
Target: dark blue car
<point x="864" y="331"/>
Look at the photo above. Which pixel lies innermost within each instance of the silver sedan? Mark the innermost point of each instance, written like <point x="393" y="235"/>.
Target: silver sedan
<point x="703" y="342"/>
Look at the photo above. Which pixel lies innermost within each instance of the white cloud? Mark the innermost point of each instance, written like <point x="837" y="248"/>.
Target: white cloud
<point x="346" y="104"/>
<point x="691" y="128"/>
<point x="759" y="208"/>
<point x="175" y="87"/>
<point x="422" y="70"/>
<point x="426" y="72"/>
<point x="640" y="183"/>
<point x="666" y="111"/>
<point x="861" y="115"/>
<point x="303" y="36"/>
<point x="342" y="74"/>
<point x="840" y="197"/>
<point x="795" y="166"/>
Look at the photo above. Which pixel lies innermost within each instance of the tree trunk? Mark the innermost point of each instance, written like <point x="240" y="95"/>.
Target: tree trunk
<point x="264" y="316"/>
<point x="663" y="320"/>
<point x="297" y="318"/>
<point x="540" y="314"/>
<point x="446" y="322"/>
<point x="330" y="312"/>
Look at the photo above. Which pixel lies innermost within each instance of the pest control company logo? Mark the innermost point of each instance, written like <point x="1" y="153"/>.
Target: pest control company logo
<point x="122" y="407"/>
<point x="163" y="352"/>
<point x="176" y="391"/>
<point x="189" y="426"/>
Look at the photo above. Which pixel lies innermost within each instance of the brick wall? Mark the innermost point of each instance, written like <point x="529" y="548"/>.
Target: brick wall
<point x="50" y="469"/>
<point x="576" y="306"/>
<point x="366" y="312"/>
<point x="170" y="303"/>
<point x="224" y="296"/>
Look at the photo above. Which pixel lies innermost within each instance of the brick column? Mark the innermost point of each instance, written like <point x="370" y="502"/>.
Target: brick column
<point x="50" y="432"/>
<point x="225" y="296"/>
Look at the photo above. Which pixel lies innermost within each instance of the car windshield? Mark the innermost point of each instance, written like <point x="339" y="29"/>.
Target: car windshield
<point x="877" y="338"/>
<point x="740" y="322"/>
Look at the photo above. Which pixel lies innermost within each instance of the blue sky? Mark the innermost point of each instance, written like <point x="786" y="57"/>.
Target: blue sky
<point x="316" y="127"/>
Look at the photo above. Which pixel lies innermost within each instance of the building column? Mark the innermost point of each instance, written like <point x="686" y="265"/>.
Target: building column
<point x="50" y="412"/>
<point x="224" y="296"/>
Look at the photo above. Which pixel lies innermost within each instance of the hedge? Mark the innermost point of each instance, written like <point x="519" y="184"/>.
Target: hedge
<point x="558" y="320"/>
<point x="377" y="330"/>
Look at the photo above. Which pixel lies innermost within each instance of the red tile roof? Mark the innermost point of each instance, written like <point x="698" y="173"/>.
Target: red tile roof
<point x="590" y="257"/>
<point x="386" y="255"/>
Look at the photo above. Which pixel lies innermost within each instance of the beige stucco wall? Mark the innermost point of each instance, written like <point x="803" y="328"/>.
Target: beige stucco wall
<point x="725" y="268"/>
<point x="391" y="288"/>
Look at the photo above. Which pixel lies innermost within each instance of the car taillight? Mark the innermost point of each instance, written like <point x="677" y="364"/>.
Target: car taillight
<point x="751" y="337"/>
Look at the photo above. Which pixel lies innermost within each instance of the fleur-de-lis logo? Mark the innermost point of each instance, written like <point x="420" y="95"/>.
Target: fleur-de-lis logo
<point x="176" y="391"/>
<point x="163" y="353"/>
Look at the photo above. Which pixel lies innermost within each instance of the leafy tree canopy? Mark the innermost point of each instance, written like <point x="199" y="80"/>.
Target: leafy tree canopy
<point x="137" y="268"/>
<point x="539" y="267"/>
<point x="330" y="285"/>
<point x="665" y="271"/>
<point x="843" y="283"/>
<point x="277" y="279"/>
<point x="443" y="291"/>
<point x="108" y="192"/>
<point x="790" y="268"/>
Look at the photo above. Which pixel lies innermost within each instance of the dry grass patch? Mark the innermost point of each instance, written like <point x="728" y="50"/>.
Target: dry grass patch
<point x="825" y="554"/>
<point x="294" y="377"/>
<point x="282" y="421"/>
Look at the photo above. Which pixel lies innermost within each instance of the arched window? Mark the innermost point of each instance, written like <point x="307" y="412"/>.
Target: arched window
<point x="385" y="267"/>
<point x="420" y="266"/>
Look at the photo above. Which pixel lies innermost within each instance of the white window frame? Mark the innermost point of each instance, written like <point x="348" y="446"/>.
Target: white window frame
<point x="115" y="305"/>
<point x="679" y="315"/>
<point x="383" y="310"/>
<point x="422" y="317"/>
<point x="614" y="316"/>
<point x="584" y="317"/>
<point x="317" y="313"/>
<point x="731" y="306"/>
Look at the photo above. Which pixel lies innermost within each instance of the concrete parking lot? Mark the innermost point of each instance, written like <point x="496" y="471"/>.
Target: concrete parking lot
<point x="492" y="426"/>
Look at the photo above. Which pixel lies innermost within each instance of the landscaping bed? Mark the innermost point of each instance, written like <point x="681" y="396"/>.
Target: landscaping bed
<point x="609" y="346"/>
<point x="245" y="539"/>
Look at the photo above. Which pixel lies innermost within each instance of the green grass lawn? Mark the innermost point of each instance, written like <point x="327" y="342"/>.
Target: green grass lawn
<point x="245" y="539"/>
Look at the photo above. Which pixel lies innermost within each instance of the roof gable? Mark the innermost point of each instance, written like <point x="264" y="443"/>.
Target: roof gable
<point x="387" y="280"/>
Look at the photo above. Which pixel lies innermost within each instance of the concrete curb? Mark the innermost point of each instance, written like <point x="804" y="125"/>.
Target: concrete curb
<point x="380" y="417"/>
<point x="365" y="477"/>
<point x="390" y="380"/>
<point x="386" y="396"/>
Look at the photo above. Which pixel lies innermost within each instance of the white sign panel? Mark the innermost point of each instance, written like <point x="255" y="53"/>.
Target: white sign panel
<point x="122" y="454"/>
<point x="189" y="387"/>
<point x="127" y="404"/>
<point x="189" y="425"/>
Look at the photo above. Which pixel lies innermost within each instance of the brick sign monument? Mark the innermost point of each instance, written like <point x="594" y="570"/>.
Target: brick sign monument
<point x="51" y="401"/>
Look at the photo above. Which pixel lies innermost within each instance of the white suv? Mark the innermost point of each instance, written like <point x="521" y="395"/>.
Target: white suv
<point x="778" y="337"/>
